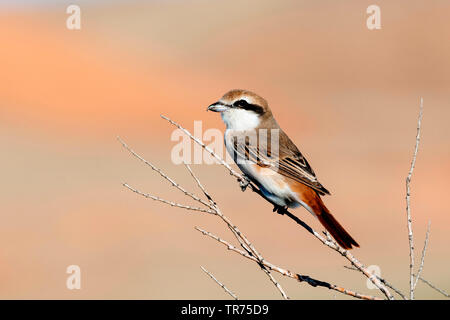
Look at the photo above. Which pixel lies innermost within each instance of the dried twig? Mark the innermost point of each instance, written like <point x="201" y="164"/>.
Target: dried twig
<point x="384" y="281"/>
<point x="425" y="246"/>
<point x="171" y="203"/>
<point x="197" y="180"/>
<point x="214" y="209"/>
<point x="220" y="284"/>
<point x="245" y="243"/>
<point x="408" y="206"/>
<point x="329" y="242"/>
<point x="211" y="152"/>
<point x="432" y="286"/>
<point x="165" y="176"/>
<point x="287" y="273"/>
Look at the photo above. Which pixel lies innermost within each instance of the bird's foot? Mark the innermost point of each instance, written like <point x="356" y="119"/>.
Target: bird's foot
<point x="280" y="209"/>
<point x="243" y="183"/>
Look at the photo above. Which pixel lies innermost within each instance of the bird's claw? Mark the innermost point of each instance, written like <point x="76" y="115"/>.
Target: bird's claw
<point x="243" y="183"/>
<point x="279" y="209"/>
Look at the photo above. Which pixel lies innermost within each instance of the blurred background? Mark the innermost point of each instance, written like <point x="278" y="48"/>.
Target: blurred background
<point x="349" y="98"/>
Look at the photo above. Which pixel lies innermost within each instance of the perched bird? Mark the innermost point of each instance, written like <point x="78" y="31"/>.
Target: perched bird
<point x="269" y="159"/>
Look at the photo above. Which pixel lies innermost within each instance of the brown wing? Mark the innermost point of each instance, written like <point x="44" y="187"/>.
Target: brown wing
<point x="289" y="162"/>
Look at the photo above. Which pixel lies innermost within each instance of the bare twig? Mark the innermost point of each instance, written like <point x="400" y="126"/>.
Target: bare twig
<point x="408" y="205"/>
<point x="425" y="245"/>
<point x="274" y="281"/>
<point x="250" y="247"/>
<point x="287" y="273"/>
<point x="211" y="152"/>
<point x="432" y="286"/>
<point x="171" y="203"/>
<point x="215" y="207"/>
<point x="220" y="284"/>
<point x="197" y="180"/>
<point x="245" y="243"/>
<point x="384" y="281"/>
<point x="356" y="263"/>
<point x="165" y="176"/>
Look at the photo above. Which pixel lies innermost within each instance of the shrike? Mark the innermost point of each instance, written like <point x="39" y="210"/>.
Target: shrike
<point x="268" y="158"/>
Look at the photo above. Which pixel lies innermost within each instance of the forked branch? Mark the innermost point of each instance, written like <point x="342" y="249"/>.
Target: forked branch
<point x="250" y="251"/>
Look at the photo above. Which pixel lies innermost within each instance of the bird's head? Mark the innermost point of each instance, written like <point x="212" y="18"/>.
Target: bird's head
<point x="241" y="109"/>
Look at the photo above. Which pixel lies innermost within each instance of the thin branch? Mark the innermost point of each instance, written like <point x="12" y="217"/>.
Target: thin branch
<point x="432" y="286"/>
<point x="408" y="205"/>
<point x="251" y="249"/>
<point x="287" y="273"/>
<point x="355" y="262"/>
<point x="274" y="281"/>
<point x="331" y="244"/>
<point x="211" y="205"/>
<point x="171" y="203"/>
<point x="425" y="245"/>
<point x="214" y="205"/>
<point x="162" y="174"/>
<point x="384" y="281"/>
<point x="244" y="242"/>
<point x="211" y="152"/>
<point x="219" y="283"/>
<point x="197" y="180"/>
<point x="400" y="293"/>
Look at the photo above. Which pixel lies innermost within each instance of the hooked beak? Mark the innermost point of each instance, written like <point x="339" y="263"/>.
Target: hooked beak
<point x="217" y="107"/>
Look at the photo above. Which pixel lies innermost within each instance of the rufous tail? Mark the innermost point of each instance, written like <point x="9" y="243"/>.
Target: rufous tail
<point x="342" y="237"/>
<point x="315" y="205"/>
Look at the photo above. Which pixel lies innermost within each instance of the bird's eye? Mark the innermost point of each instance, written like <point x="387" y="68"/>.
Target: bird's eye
<point x="241" y="103"/>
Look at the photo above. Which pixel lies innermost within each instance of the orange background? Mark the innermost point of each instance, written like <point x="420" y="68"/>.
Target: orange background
<point x="347" y="96"/>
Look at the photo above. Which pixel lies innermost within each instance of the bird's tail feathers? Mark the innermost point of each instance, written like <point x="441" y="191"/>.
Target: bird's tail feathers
<point x="342" y="237"/>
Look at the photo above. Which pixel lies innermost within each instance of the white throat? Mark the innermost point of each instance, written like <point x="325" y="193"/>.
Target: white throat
<point x="239" y="119"/>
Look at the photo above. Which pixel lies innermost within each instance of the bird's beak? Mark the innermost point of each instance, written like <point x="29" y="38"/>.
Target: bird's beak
<point x="217" y="107"/>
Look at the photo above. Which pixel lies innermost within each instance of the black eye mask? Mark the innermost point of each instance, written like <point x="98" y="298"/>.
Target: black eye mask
<point x="243" y="104"/>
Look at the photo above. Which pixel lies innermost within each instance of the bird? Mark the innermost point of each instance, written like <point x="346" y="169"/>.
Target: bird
<point x="268" y="158"/>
